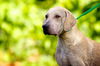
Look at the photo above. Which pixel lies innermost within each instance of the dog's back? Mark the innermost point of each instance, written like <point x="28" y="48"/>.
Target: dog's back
<point x="96" y="54"/>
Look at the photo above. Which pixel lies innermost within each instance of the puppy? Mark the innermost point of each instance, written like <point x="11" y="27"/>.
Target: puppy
<point x="73" y="49"/>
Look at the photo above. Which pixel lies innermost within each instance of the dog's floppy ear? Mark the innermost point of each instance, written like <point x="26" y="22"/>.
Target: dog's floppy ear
<point x="69" y="21"/>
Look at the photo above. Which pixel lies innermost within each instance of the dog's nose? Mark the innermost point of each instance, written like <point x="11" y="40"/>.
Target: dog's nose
<point x="45" y="27"/>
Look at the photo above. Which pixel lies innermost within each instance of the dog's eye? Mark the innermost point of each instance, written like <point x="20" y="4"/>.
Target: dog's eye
<point x="46" y="16"/>
<point x="57" y="16"/>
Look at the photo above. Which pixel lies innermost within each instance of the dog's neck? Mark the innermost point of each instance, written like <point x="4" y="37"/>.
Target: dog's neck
<point x="71" y="37"/>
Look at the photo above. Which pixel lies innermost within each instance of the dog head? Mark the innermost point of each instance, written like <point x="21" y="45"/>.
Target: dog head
<point x="57" y="20"/>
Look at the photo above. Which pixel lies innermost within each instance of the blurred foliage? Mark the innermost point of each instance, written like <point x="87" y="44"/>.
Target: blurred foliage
<point x="22" y="42"/>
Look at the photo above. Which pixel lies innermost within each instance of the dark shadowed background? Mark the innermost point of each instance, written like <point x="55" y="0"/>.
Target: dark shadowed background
<point x="22" y="42"/>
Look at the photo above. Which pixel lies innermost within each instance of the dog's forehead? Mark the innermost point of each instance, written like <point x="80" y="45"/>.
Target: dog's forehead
<point x="57" y="10"/>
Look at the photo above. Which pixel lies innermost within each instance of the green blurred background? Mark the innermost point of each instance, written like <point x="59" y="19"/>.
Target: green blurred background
<point x="22" y="42"/>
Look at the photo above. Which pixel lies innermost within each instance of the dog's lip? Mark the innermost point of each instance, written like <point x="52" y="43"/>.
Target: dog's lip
<point x="51" y="34"/>
<point x="48" y="33"/>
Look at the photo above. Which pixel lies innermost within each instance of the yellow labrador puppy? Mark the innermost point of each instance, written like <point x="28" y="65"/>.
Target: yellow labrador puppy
<point x="74" y="49"/>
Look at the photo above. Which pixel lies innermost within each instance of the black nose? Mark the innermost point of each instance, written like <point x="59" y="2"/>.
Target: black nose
<point x="45" y="27"/>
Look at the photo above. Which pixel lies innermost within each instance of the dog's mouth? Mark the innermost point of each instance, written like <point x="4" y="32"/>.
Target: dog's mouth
<point x="49" y="31"/>
<point x="46" y="32"/>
